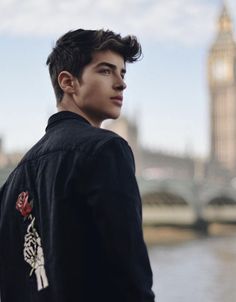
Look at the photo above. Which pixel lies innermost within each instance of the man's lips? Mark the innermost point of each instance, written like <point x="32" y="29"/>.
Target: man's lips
<point x="117" y="100"/>
<point x="118" y="97"/>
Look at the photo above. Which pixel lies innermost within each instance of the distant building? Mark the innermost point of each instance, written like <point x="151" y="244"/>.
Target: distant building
<point x="156" y="165"/>
<point x="8" y="160"/>
<point x="3" y="158"/>
<point x="1" y="149"/>
<point x="222" y="87"/>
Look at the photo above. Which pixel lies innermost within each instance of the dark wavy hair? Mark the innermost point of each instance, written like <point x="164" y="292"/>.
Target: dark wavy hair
<point x="74" y="50"/>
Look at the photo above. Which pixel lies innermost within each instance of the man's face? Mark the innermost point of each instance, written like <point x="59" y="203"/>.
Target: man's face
<point x="99" y="92"/>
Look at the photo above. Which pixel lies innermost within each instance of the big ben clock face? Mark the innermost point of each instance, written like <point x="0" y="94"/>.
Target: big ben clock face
<point x="220" y="70"/>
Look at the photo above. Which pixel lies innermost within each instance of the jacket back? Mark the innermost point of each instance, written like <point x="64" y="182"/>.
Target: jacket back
<point x="70" y="220"/>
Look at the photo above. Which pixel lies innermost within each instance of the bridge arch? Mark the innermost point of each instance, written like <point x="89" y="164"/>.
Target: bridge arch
<point x="163" y="198"/>
<point x="220" y="208"/>
<point x="166" y="208"/>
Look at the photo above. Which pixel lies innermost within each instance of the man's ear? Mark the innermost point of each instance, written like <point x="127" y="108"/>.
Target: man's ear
<point x="67" y="82"/>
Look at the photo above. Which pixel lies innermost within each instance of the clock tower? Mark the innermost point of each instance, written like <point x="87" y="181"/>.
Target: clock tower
<point x="222" y="86"/>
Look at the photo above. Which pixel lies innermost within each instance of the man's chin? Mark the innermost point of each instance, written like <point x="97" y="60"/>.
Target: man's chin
<point x="115" y="115"/>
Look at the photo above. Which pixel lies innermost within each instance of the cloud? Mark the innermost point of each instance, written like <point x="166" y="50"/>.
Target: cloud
<point x="188" y="22"/>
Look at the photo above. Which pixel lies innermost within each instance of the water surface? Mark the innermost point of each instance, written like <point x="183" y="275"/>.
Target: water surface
<point x="202" y="270"/>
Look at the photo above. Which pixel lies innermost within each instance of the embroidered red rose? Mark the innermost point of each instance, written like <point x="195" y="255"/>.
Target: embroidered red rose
<point x="22" y="204"/>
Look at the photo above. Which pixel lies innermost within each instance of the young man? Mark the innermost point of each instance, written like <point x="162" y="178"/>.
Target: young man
<point x="70" y="213"/>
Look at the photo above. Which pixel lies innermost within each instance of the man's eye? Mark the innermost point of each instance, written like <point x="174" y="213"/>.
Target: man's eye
<point x="105" y="71"/>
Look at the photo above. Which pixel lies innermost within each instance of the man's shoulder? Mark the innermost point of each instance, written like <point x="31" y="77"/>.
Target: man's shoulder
<point x="100" y="138"/>
<point x="87" y="140"/>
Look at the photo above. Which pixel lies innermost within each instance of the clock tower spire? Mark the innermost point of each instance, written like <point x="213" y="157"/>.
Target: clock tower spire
<point x="225" y="22"/>
<point x="222" y="88"/>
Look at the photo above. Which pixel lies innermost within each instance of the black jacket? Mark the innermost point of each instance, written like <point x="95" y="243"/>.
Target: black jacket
<point x="71" y="220"/>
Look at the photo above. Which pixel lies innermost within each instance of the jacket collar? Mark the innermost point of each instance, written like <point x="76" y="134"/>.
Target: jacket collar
<point x="64" y="115"/>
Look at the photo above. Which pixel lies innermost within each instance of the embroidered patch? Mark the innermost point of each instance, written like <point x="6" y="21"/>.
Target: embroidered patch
<point x="33" y="252"/>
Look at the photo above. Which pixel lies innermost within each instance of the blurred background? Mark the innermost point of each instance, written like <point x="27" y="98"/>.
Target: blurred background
<point x="179" y="116"/>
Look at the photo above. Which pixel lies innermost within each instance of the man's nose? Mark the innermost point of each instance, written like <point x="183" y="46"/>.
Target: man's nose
<point x="120" y="84"/>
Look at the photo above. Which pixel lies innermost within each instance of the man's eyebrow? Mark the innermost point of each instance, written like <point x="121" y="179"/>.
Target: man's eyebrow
<point x="110" y="65"/>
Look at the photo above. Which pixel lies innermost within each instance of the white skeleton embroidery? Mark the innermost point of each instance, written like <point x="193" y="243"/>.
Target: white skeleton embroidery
<point x="33" y="255"/>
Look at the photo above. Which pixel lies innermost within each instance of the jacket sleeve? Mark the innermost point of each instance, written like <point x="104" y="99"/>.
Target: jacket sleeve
<point x="116" y="206"/>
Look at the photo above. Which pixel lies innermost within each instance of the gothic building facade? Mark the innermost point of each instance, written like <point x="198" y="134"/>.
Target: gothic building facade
<point x="222" y="88"/>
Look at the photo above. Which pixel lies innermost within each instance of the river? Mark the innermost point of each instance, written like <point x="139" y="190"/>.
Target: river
<point x="201" y="270"/>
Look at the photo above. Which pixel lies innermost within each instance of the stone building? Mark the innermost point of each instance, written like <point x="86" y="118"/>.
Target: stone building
<point x="222" y="88"/>
<point x="8" y="160"/>
<point x="151" y="164"/>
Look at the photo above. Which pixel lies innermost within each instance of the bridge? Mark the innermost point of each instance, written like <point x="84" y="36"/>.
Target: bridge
<point x="186" y="203"/>
<point x="189" y="203"/>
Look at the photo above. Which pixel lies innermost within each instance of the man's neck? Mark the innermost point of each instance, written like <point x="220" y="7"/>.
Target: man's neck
<point x="73" y="108"/>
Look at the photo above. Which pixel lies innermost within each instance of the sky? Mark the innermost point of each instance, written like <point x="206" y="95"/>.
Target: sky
<point x="167" y="92"/>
